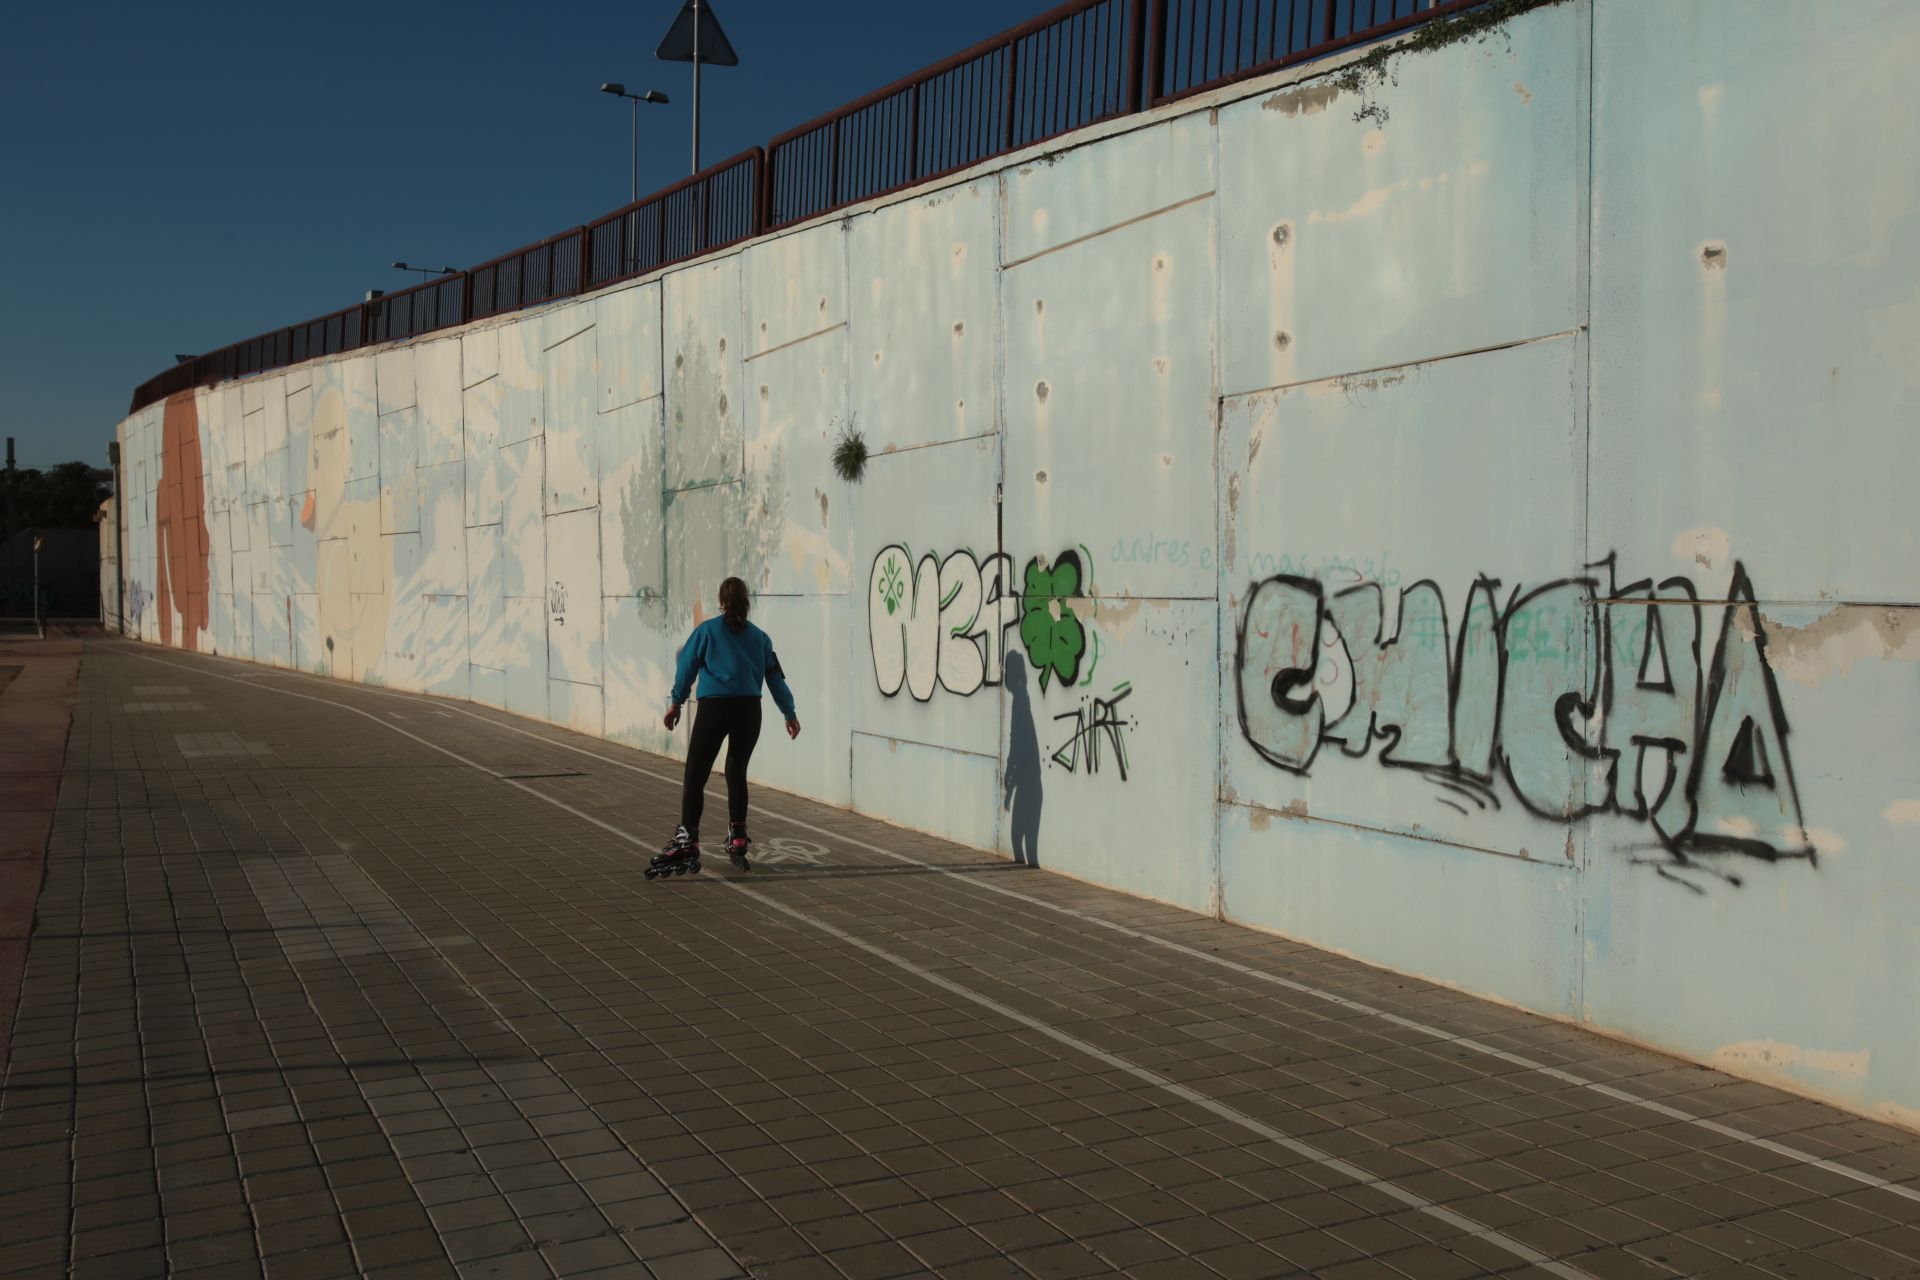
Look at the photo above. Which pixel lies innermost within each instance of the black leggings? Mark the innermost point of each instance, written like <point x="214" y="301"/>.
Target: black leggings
<point x="736" y="720"/>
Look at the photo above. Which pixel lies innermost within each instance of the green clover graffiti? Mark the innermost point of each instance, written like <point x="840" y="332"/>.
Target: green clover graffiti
<point x="1049" y="628"/>
<point x="892" y="584"/>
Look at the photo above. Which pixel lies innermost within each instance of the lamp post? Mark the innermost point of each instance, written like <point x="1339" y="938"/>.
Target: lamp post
<point x="633" y="113"/>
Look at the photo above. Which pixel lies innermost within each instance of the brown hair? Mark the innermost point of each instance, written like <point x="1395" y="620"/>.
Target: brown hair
<point x="734" y="603"/>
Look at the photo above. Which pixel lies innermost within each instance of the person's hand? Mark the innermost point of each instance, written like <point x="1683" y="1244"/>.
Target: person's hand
<point x="793" y="728"/>
<point x="672" y="717"/>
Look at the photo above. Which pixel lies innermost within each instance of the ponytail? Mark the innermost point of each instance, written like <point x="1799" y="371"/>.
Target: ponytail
<point x="735" y="604"/>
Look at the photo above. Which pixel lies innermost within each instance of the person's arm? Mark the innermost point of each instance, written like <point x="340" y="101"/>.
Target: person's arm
<point x="690" y="655"/>
<point x="777" y="683"/>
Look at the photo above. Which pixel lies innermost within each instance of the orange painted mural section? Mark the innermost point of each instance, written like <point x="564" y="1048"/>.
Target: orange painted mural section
<point x="180" y="509"/>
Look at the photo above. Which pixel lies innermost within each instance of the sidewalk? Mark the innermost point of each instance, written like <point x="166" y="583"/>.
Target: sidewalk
<point x="330" y="981"/>
<point x="37" y="683"/>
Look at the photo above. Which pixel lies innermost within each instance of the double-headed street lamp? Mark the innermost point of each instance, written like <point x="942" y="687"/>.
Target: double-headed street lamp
<point x="428" y="272"/>
<point x="634" y="100"/>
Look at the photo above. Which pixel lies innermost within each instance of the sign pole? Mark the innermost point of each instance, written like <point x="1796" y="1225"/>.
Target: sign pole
<point x="696" y="37"/>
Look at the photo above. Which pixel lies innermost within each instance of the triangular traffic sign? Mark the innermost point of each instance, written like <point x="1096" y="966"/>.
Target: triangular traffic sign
<point x="715" y="51"/>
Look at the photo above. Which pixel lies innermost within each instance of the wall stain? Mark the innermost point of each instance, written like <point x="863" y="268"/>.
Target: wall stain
<point x="1307" y="100"/>
<point x="1828" y="647"/>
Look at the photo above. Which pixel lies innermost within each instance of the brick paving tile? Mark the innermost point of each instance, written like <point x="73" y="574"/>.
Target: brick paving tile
<point x="118" y="1266"/>
<point x="389" y="1014"/>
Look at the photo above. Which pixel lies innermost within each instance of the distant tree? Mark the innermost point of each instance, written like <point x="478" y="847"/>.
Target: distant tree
<point x="61" y="497"/>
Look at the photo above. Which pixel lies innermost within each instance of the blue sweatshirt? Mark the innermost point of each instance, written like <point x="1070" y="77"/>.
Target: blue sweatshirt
<point x="731" y="664"/>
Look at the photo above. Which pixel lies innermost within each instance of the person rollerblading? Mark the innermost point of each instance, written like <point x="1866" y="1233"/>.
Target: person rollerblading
<point x="733" y="659"/>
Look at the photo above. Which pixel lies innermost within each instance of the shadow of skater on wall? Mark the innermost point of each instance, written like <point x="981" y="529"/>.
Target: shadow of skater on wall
<point x="1020" y="792"/>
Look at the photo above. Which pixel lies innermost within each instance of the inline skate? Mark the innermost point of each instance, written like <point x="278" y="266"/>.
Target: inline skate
<point x="737" y="843"/>
<point x="681" y="856"/>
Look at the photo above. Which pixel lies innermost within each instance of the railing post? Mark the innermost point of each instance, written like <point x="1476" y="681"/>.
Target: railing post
<point x="1013" y="73"/>
<point x="1142" y="91"/>
<point x="1156" y="52"/>
<point x="1326" y="24"/>
<point x="466" y="297"/>
<point x="833" y="165"/>
<point x="913" y="133"/>
<point x="360" y="325"/>
<point x="762" y="193"/>
<point x="586" y="247"/>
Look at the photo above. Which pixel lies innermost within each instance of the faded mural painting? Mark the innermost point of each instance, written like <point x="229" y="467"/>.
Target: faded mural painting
<point x="1144" y="599"/>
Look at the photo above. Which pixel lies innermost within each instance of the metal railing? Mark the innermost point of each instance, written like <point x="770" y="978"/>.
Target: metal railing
<point x="532" y="274"/>
<point x="437" y="304"/>
<point x="1078" y="64"/>
<point x="1203" y="44"/>
<point x="716" y="207"/>
<point x="1074" y="66"/>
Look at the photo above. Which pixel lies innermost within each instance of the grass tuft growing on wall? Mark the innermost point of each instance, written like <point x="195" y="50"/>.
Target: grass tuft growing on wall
<point x="850" y="454"/>
<point x="1478" y="24"/>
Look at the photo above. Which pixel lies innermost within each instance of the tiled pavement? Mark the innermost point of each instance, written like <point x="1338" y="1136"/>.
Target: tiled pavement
<point x="327" y="981"/>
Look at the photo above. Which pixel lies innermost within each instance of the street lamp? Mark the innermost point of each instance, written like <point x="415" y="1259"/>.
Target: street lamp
<point x="633" y="111"/>
<point x="428" y="272"/>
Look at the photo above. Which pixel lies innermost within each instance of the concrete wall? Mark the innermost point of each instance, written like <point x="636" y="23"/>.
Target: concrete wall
<point x="105" y="522"/>
<point x="1474" y="536"/>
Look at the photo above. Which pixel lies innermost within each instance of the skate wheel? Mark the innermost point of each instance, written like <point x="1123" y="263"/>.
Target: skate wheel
<point x="694" y="867"/>
<point x="651" y="872"/>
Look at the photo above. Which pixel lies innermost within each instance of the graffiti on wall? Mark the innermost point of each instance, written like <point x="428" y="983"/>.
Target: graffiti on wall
<point x="1099" y="731"/>
<point x="1584" y="696"/>
<point x="942" y="623"/>
<point x="1050" y="629"/>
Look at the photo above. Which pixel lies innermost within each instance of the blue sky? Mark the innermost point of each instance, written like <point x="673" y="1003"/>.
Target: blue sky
<point x="178" y="177"/>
